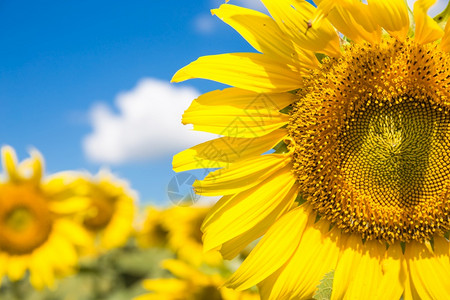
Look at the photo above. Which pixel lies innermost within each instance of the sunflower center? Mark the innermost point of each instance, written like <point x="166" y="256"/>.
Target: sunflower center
<point x="102" y="210"/>
<point x="371" y="141"/>
<point x="209" y="292"/>
<point x="394" y="155"/>
<point x="25" y="221"/>
<point x="19" y="219"/>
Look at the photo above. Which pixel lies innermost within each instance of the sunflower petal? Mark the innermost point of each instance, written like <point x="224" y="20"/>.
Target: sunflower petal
<point x="9" y="161"/>
<point x="237" y="113"/>
<point x="354" y="20"/>
<point x="427" y="30"/>
<point x="392" y="15"/>
<point x="394" y="274"/>
<point x="221" y="152"/>
<point x="17" y="265"/>
<point x="234" y="122"/>
<point x="368" y="273"/>
<point x="263" y="33"/>
<point x="234" y="246"/>
<point x="241" y="175"/>
<point x="429" y="274"/>
<point x="244" y="99"/>
<point x="249" y="71"/>
<point x="275" y="248"/>
<point x="445" y="43"/>
<point x="348" y="262"/>
<point x="315" y="256"/>
<point x="294" y="16"/>
<point x="257" y="207"/>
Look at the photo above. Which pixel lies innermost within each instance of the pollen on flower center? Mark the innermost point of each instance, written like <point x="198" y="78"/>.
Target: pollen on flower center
<point x="372" y="141"/>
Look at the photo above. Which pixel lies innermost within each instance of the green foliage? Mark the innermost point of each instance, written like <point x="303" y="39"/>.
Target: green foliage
<point x="115" y="275"/>
<point x="324" y="288"/>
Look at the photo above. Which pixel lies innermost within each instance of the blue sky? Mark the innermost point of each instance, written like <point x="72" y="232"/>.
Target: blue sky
<point x="75" y="77"/>
<point x="60" y="59"/>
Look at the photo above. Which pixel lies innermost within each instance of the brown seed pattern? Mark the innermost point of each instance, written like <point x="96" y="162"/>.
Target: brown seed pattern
<point x="370" y="139"/>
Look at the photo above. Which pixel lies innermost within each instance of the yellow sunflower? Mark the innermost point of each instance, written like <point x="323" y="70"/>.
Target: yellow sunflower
<point x="190" y="283"/>
<point x="185" y="236"/>
<point x="154" y="231"/>
<point x="356" y="103"/>
<point x="112" y="208"/>
<point x="37" y="233"/>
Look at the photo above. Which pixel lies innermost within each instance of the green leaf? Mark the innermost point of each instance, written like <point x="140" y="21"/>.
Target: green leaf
<point x="324" y="288"/>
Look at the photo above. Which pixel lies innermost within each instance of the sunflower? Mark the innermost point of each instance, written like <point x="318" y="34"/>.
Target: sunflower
<point x="154" y="231"/>
<point x="37" y="233"/>
<point x="111" y="211"/>
<point x="335" y="147"/>
<point x="190" y="283"/>
<point x="185" y="236"/>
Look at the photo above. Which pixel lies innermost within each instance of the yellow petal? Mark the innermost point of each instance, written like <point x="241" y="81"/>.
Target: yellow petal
<point x="65" y="255"/>
<point x="392" y="15"/>
<point x="443" y="16"/>
<point x="9" y="161"/>
<point x="428" y="272"/>
<point x="73" y="231"/>
<point x="236" y="245"/>
<point x="445" y="43"/>
<point x="223" y="151"/>
<point x="354" y="20"/>
<point x="263" y="33"/>
<point x="275" y="248"/>
<point x="315" y="256"/>
<point x="41" y="273"/>
<point x="241" y="175"/>
<point x="348" y="262"/>
<point x="258" y="207"/>
<point x="368" y="273"/>
<point x="294" y="16"/>
<point x="249" y="71"/>
<point x="427" y="30"/>
<point x="237" y="113"/>
<point x="181" y="269"/>
<point x="17" y="265"/>
<point x="244" y="99"/>
<point x="394" y="274"/>
<point x="70" y="205"/>
<point x="410" y="292"/>
<point x="323" y="9"/>
<point x="166" y="285"/>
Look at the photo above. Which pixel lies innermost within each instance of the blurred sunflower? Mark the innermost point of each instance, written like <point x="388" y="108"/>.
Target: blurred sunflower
<point x="154" y="231"/>
<point x="185" y="236"/>
<point x="111" y="211"/>
<point x="37" y="232"/>
<point x="356" y="104"/>
<point x="190" y="283"/>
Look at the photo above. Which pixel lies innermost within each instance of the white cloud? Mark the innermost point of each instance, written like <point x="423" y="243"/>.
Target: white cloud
<point x="205" y="23"/>
<point x="147" y="124"/>
<point x="435" y="9"/>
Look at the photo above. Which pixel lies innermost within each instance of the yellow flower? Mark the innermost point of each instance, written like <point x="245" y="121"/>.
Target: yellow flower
<point x="359" y="180"/>
<point x="112" y="208"/>
<point x="36" y="231"/>
<point x="154" y="231"/>
<point x="185" y="236"/>
<point x="191" y="284"/>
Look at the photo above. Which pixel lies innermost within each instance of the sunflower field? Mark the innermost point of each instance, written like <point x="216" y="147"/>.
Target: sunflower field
<point x="331" y="166"/>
